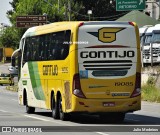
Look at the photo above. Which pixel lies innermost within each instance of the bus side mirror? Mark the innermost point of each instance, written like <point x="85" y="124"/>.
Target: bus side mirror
<point x="13" y="61"/>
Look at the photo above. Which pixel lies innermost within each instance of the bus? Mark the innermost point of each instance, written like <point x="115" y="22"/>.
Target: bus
<point x="142" y="31"/>
<point x="80" y="67"/>
<point x="147" y="46"/>
<point x="156" y="44"/>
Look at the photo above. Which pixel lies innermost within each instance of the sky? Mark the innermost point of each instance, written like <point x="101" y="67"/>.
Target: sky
<point x="4" y="7"/>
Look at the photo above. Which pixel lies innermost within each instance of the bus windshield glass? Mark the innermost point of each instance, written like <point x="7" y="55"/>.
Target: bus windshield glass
<point x="147" y="39"/>
<point x="156" y="38"/>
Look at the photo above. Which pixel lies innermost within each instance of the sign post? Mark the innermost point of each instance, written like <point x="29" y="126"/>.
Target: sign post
<point x="125" y="5"/>
<point x="30" y="21"/>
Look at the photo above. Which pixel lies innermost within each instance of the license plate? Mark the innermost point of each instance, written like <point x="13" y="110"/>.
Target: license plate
<point x="108" y="104"/>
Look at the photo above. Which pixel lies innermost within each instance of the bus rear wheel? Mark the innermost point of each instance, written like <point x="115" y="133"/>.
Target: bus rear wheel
<point x="63" y="116"/>
<point x="55" y="113"/>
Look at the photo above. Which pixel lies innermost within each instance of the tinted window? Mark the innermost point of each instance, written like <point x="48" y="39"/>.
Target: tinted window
<point x="52" y="46"/>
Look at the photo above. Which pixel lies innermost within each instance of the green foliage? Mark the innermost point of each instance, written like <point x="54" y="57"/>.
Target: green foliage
<point x="101" y="10"/>
<point x="10" y="38"/>
<point x="151" y="81"/>
<point x="55" y="12"/>
<point x="63" y="11"/>
<point x="150" y="93"/>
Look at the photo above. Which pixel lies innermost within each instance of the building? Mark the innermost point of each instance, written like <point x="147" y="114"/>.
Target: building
<point x="152" y="7"/>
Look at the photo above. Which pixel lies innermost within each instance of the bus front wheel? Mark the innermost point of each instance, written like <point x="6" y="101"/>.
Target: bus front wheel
<point x="28" y="108"/>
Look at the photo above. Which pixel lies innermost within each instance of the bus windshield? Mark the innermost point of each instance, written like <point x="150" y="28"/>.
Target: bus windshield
<point x="156" y="38"/>
<point x="147" y="39"/>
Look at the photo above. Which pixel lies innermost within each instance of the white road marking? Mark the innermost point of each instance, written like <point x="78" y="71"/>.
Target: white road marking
<point x="36" y="118"/>
<point x="66" y="124"/>
<point x="3" y="111"/>
<point x="101" y="133"/>
<point x="15" y="100"/>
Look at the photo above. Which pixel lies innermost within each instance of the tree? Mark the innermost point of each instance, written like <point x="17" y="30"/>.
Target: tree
<point x="101" y="10"/>
<point x="10" y="12"/>
<point x="10" y="38"/>
<point x="54" y="13"/>
<point x="58" y="10"/>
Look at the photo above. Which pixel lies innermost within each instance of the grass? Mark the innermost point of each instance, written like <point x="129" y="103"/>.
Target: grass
<point x="150" y="93"/>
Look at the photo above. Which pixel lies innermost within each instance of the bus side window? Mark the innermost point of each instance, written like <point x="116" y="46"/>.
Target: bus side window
<point x="35" y="43"/>
<point x="25" y="53"/>
<point x="49" y="48"/>
<point x="41" y="56"/>
<point x="67" y="36"/>
<point x="49" y="55"/>
<point x="34" y="55"/>
<point x="27" y="56"/>
<point x="52" y="45"/>
<point x="41" y="47"/>
<point x="54" y="54"/>
<point x="59" y="45"/>
<point x="65" y="47"/>
<point x="45" y="52"/>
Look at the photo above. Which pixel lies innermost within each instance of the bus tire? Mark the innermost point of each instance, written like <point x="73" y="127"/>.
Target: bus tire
<point x="63" y="116"/>
<point x="55" y="113"/>
<point x="29" y="109"/>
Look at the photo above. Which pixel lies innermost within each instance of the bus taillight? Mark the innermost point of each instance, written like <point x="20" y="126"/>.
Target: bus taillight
<point x="137" y="90"/>
<point x="77" y="87"/>
<point x="131" y="23"/>
<point x="80" y="24"/>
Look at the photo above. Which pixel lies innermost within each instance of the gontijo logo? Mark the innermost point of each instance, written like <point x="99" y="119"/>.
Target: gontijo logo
<point x="106" y="35"/>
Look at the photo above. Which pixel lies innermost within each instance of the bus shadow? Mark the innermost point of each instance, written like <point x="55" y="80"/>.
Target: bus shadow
<point x="130" y="119"/>
<point x="46" y="114"/>
<point x="141" y="119"/>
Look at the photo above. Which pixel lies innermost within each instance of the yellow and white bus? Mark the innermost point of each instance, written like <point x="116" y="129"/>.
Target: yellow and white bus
<point x="81" y="67"/>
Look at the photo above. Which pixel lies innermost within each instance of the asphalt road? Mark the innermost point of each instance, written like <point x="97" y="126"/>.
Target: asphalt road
<point x="12" y="114"/>
<point x="4" y="67"/>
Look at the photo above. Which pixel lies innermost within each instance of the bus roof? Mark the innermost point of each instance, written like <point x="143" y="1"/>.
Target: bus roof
<point x="58" y="26"/>
<point x="142" y="30"/>
<point x="157" y="27"/>
<point x="47" y="28"/>
<point x="150" y="29"/>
